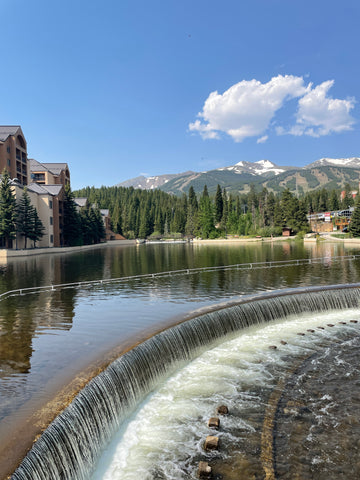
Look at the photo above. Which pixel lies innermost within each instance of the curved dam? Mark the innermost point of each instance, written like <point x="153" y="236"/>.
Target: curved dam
<point x="72" y="444"/>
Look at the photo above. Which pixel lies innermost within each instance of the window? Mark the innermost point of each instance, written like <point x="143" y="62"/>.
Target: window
<point x="8" y="149"/>
<point x="8" y="162"/>
<point x="51" y="238"/>
<point x="38" y="177"/>
<point x="50" y="204"/>
<point x="51" y="220"/>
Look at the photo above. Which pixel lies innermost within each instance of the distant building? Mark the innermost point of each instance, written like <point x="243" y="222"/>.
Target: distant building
<point x="49" y="173"/>
<point x="13" y="153"/>
<point x="287" y="231"/>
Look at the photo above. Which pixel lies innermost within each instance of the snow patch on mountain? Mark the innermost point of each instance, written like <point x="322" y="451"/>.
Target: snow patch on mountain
<point x="353" y="162"/>
<point x="261" y="167"/>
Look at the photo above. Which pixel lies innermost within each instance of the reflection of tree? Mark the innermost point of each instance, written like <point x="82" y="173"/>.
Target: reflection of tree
<point x="25" y="316"/>
<point x="16" y="338"/>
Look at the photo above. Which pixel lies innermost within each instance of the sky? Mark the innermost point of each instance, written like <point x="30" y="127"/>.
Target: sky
<point x="122" y="88"/>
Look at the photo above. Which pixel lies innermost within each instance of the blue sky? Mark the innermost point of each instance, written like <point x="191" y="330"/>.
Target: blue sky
<point x="120" y="88"/>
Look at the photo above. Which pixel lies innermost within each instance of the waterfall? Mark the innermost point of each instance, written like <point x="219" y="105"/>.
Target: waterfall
<point x="71" y="445"/>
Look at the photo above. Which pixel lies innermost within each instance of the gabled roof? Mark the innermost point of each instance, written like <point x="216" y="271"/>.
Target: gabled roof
<point x="81" y="201"/>
<point x="45" y="189"/>
<point x="35" y="165"/>
<point x="54" y="168"/>
<point x="8" y="130"/>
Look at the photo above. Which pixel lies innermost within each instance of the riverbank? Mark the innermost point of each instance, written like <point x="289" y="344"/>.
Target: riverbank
<point x="5" y="253"/>
<point x="224" y="241"/>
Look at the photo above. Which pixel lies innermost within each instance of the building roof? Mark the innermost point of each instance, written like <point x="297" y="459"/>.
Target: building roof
<point x="104" y="212"/>
<point x="35" y="165"/>
<point x="45" y="189"/>
<point x="81" y="201"/>
<point x="8" y="130"/>
<point x="54" y="168"/>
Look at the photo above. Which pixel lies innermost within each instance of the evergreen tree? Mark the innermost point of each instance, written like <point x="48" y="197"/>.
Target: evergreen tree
<point x="347" y="200"/>
<point x="98" y="228"/>
<point x="116" y="219"/>
<point x="225" y="213"/>
<point x="192" y="225"/>
<point x="72" y="222"/>
<point x="354" y="227"/>
<point x="219" y="205"/>
<point x="38" y="229"/>
<point x="25" y="217"/>
<point x="7" y="211"/>
<point x="334" y="203"/>
<point x="145" y="227"/>
<point x="206" y="216"/>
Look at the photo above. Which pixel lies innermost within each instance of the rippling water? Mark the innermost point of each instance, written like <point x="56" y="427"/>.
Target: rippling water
<point x="48" y="338"/>
<point x="297" y="388"/>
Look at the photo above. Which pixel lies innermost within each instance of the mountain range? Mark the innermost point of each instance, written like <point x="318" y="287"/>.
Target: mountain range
<point x="326" y="172"/>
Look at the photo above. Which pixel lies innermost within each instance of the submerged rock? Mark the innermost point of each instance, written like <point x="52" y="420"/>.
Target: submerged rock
<point x="204" y="470"/>
<point x="211" y="443"/>
<point x="222" y="410"/>
<point x="214" y="422"/>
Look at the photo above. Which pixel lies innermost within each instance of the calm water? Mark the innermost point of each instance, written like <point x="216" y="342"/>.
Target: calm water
<point x="47" y="338"/>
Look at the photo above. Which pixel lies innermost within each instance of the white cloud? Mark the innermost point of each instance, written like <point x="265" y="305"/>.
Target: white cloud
<point x="320" y="115"/>
<point x="247" y="109"/>
<point x="262" y="139"/>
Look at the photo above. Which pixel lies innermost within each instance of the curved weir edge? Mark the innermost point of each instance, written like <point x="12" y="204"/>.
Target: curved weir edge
<point x="71" y="445"/>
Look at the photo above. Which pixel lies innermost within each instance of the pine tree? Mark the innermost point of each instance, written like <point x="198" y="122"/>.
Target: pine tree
<point x="72" y="222"/>
<point x="25" y="217"/>
<point x="97" y="224"/>
<point x="219" y="205"/>
<point x="334" y="203"/>
<point x="7" y="211"/>
<point x="206" y="216"/>
<point x="354" y="227"/>
<point x="38" y="228"/>
<point x="192" y="226"/>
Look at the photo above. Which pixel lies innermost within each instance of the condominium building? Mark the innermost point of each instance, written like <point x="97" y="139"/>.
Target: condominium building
<point x="49" y="173"/>
<point x="13" y="153"/>
<point x="45" y="183"/>
<point x="48" y="201"/>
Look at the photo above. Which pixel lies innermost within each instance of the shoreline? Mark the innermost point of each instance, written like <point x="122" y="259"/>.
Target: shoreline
<point x="6" y="254"/>
<point x="10" y="253"/>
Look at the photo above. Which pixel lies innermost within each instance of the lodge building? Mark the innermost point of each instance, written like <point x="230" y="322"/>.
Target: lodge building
<point x="45" y="183"/>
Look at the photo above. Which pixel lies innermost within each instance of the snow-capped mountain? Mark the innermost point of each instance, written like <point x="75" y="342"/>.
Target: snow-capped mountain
<point x="261" y="167"/>
<point x="150" y="183"/>
<point x="353" y="162"/>
<point x="263" y="173"/>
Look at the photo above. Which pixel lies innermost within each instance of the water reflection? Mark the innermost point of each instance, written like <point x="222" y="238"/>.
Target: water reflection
<point x="47" y="334"/>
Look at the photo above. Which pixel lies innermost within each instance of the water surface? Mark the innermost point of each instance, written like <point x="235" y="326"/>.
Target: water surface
<point x="48" y="338"/>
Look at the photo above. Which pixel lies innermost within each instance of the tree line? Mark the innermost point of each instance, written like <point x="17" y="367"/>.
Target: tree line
<point x="81" y="227"/>
<point x="139" y="213"/>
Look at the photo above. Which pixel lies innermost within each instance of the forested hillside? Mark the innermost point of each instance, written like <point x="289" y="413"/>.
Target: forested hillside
<point x="143" y="213"/>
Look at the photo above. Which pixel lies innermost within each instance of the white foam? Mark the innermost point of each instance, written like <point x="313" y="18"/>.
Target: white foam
<point x="168" y="428"/>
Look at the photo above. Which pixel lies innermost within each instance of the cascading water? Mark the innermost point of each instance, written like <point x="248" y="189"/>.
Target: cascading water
<point x="71" y="445"/>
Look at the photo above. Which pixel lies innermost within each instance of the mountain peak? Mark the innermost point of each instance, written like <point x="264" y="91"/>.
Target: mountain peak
<point x="352" y="162"/>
